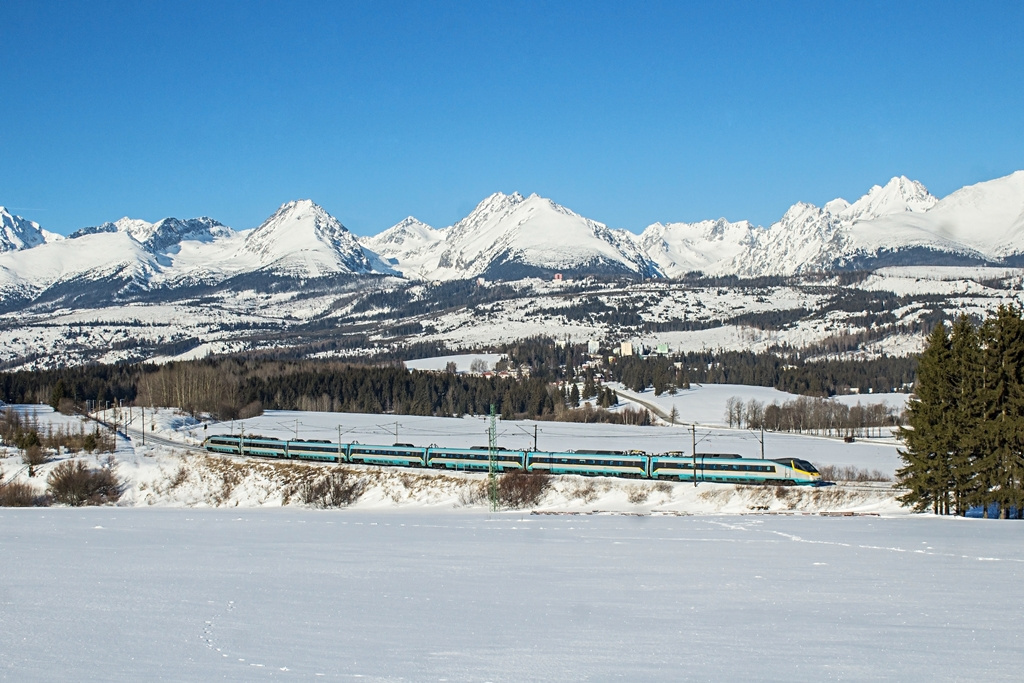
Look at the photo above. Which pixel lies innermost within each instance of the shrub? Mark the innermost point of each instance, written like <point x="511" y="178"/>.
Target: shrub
<point x="18" y="494"/>
<point x="522" y="489"/>
<point x="337" y="488"/>
<point x="72" y="482"/>
<point x="637" y="495"/>
<point x="34" y="456"/>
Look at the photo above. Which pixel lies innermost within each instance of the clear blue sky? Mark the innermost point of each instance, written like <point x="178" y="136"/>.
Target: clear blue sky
<point x="670" y="111"/>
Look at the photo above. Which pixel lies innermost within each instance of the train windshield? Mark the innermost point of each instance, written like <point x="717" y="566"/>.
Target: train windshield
<point x="806" y="466"/>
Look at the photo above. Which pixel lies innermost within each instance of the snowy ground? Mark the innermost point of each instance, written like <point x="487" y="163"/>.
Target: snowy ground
<point x="115" y="594"/>
<point x="705" y="404"/>
<point x="463" y="362"/>
<point x="163" y="472"/>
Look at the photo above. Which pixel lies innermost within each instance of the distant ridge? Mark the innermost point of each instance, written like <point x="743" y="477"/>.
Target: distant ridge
<point x="509" y="236"/>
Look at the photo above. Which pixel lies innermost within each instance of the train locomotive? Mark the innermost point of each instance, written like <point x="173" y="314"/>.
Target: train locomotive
<point x="722" y="468"/>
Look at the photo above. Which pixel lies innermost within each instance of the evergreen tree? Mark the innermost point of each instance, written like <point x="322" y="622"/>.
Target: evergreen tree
<point x="927" y="470"/>
<point x="1000" y="465"/>
<point x="965" y="420"/>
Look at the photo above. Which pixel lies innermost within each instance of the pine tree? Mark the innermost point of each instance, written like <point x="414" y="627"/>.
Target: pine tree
<point x="965" y="419"/>
<point x="927" y="472"/>
<point x="1000" y="465"/>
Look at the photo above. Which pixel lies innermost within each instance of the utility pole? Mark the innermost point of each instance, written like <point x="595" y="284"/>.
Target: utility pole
<point x="492" y="461"/>
<point x="693" y="435"/>
<point x="143" y="425"/>
<point x="528" y="433"/>
<point x="762" y="442"/>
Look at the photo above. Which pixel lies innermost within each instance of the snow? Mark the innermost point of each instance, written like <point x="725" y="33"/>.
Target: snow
<point x="982" y="222"/>
<point x="899" y="195"/>
<point x="16" y="233"/>
<point x="462" y="361"/>
<point x="415" y="582"/>
<point x="304" y="240"/>
<point x="245" y="595"/>
<point x="705" y="404"/>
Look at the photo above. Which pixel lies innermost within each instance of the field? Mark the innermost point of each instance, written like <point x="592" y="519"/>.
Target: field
<point x="200" y="573"/>
<point x="134" y="594"/>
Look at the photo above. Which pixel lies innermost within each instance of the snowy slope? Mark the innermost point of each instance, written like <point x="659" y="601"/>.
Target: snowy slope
<point x="680" y="248"/>
<point x="92" y="258"/>
<point x="510" y="236"/>
<point x="987" y="218"/>
<point x="16" y="233"/>
<point x="900" y="195"/>
<point x="164" y="234"/>
<point x="406" y="247"/>
<point x="406" y="237"/>
<point x="303" y="240"/>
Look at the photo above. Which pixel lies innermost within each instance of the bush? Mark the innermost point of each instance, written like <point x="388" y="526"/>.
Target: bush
<point x="72" y="482"/>
<point x="637" y="495"/>
<point x="18" y="494"/>
<point x="337" y="488"/>
<point x="34" y="456"/>
<point x="522" y="489"/>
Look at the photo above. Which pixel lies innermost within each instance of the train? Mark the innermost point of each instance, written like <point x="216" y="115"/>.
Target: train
<point x="722" y="468"/>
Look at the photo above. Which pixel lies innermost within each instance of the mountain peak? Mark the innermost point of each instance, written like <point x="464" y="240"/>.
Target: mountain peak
<point x="17" y="233"/>
<point x="302" y="239"/>
<point x="899" y="195"/>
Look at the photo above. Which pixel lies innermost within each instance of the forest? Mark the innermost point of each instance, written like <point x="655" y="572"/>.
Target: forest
<point x="540" y="379"/>
<point x="965" y="433"/>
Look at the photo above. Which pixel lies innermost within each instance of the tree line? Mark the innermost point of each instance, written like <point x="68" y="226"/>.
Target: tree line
<point x="965" y="433"/>
<point x="812" y="415"/>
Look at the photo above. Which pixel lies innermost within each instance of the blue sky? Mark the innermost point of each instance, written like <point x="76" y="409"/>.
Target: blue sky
<point x="673" y="111"/>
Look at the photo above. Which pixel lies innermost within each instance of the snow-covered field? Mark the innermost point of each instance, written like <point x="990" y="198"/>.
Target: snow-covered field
<point x="115" y="594"/>
<point x="705" y="404"/>
<point x="604" y="579"/>
<point x="162" y="472"/>
<point x="463" y="362"/>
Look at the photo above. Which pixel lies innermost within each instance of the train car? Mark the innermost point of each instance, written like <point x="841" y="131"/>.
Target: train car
<point x="730" y="468"/>
<point x="475" y="459"/>
<point x="590" y="463"/>
<point x="263" y="446"/>
<point x="799" y="471"/>
<point x="317" y="450"/>
<point x="221" y="443"/>
<point x="401" y="454"/>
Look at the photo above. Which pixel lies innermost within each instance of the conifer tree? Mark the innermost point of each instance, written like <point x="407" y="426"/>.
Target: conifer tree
<point x="927" y="469"/>
<point x="965" y="419"/>
<point x="1000" y="465"/>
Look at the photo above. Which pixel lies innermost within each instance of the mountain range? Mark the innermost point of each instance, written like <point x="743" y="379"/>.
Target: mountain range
<point x="509" y="236"/>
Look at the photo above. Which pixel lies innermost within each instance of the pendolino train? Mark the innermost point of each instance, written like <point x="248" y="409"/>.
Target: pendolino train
<point x="724" y="468"/>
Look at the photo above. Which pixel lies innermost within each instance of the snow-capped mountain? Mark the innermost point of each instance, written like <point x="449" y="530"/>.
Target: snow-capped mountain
<point x="986" y="219"/>
<point x="681" y="248"/>
<point x="405" y="247"/>
<point x="405" y="237"/>
<point x="303" y="240"/>
<point x="16" y="233"/>
<point x="509" y="236"/>
<point x="900" y="195"/>
<point x="164" y="234"/>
